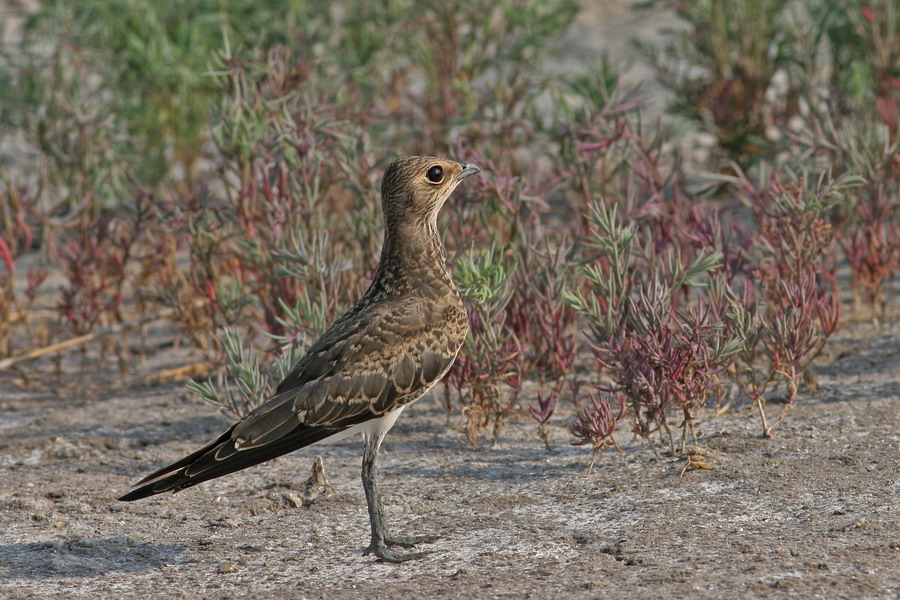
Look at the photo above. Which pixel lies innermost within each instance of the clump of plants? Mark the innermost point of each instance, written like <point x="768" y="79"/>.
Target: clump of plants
<point x="487" y="374"/>
<point x="788" y="307"/>
<point x="662" y="350"/>
<point x="295" y="227"/>
<point x="722" y="68"/>
<point x="595" y="426"/>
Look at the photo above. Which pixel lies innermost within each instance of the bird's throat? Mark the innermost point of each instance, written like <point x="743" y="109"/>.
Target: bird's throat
<point x="414" y="256"/>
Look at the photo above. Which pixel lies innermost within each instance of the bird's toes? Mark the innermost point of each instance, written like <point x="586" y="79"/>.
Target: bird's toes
<point x="392" y="556"/>
<point x="385" y="553"/>
<point x="410" y="541"/>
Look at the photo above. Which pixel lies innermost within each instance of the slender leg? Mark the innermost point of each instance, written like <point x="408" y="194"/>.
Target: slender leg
<point x="382" y="540"/>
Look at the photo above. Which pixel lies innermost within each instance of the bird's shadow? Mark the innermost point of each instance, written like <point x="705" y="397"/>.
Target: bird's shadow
<point x="512" y="462"/>
<point x="83" y="557"/>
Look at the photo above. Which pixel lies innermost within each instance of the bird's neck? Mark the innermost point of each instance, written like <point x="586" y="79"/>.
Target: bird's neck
<point x="414" y="255"/>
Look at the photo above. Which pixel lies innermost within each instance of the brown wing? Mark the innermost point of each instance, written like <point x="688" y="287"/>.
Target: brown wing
<point x="366" y="364"/>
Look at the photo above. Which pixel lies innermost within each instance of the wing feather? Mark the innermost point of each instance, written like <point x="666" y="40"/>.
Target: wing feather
<point x="365" y="365"/>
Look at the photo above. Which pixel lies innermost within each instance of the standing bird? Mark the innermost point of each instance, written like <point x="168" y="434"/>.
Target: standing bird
<point x="382" y="355"/>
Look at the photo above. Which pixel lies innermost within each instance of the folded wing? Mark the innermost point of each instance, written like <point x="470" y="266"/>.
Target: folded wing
<point x="359" y="370"/>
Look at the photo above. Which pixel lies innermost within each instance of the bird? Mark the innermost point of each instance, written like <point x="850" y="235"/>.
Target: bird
<point x="386" y="352"/>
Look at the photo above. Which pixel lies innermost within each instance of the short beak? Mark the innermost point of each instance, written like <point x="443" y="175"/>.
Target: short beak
<point x="467" y="169"/>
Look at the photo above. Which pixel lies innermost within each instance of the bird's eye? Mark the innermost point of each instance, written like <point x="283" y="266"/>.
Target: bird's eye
<point x="435" y="174"/>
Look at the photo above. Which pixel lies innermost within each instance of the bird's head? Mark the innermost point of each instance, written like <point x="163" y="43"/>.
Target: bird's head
<point x="415" y="188"/>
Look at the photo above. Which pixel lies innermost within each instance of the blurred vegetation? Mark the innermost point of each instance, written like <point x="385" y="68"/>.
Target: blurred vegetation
<point x="133" y="74"/>
<point x="218" y="161"/>
<point x="752" y="72"/>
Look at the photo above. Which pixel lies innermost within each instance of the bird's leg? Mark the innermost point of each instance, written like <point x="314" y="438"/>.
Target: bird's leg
<point x="382" y="540"/>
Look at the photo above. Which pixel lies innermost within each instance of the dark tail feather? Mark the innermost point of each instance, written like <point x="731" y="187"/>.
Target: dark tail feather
<point x="204" y="464"/>
<point x="190" y="458"/>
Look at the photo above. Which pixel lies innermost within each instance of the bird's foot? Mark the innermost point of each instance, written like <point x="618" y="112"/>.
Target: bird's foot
<point x="409" y="541"/>
<point x="382" y="548"/>
<point x="385" y="553"/>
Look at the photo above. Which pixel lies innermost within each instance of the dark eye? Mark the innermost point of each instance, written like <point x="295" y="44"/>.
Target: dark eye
<point x="435" y="174"/>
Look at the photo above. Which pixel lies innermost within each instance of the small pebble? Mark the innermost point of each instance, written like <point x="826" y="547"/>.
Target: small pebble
<point x="227" y="567"/>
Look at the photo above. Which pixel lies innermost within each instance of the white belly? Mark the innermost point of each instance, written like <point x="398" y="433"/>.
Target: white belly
<point x="375" y="427"/>
<point x="380" y="426"/>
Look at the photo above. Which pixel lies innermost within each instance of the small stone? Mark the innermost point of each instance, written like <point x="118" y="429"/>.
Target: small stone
<point x="227" y="567"/>
<point x="291" y="499"/>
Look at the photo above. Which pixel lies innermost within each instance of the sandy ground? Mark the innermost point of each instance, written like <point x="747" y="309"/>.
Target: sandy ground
<point x="813" y="513"/>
